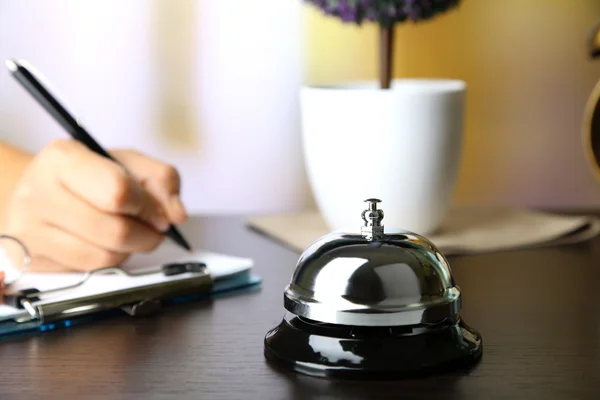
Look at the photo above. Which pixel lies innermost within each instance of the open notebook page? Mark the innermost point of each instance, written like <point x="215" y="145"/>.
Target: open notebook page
<point x="219" y="265"/>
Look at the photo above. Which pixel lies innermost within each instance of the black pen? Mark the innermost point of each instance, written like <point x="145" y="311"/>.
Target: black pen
<point x="40" y="93"/>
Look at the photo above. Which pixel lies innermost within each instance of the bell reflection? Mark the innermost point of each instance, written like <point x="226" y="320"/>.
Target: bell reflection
<point x="332" y="350"/>
<point x="333" y="280"/>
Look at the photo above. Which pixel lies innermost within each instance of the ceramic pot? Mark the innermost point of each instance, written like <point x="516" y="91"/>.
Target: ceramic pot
<point x="402" y="145"/>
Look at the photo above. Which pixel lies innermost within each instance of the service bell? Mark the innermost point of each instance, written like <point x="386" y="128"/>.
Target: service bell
<point x="372" y="304"/>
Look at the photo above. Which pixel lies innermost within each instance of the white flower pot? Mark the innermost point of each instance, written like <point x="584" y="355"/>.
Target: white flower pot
<point x="401" y="145"/>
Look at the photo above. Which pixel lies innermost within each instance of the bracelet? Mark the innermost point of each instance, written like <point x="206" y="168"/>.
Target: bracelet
<point x="14" y="274"/>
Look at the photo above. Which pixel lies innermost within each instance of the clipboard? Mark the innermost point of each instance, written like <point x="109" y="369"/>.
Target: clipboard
<point x="133" y="293"/>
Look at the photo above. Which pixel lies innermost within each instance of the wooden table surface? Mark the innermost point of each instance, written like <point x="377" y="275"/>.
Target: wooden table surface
<point x="538" y="311"/>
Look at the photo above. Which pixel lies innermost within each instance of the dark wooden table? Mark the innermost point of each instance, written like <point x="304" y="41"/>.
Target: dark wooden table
<point x="538" y="312"/>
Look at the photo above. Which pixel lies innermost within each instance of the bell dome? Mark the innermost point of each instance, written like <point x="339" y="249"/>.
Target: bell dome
<point x="373" y="279"/>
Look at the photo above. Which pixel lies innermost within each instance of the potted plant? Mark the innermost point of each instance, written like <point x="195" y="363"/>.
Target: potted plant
<point x="395" y="139"/>
<point x="387" y="14"/>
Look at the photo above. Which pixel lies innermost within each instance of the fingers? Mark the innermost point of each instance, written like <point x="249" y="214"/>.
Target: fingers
<point x="104" y="184"/>
<point x="46" y="265"/>
<point x="160" y="179"/>
<point x="76" y="210"/>
<point x="1" y="286"/>
<point x="111" y="232"/>
<point x="78" y="254"/>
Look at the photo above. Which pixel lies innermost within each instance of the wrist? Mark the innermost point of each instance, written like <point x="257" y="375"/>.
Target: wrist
<point x="13" y="162"/>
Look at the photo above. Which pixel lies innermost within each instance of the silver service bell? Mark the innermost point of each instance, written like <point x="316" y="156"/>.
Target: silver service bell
<point x="372" y="304"/>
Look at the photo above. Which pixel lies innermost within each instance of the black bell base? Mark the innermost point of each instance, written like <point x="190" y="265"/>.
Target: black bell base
<point x="346" y="352"/>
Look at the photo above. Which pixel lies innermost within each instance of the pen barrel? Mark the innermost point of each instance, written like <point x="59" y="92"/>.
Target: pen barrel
<point x="91" y="304"/>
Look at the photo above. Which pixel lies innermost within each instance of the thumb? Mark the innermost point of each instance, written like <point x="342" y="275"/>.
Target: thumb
<point x="113" y="190"/>
<point x="141" y="203"/>
<point x="161" y="180"/>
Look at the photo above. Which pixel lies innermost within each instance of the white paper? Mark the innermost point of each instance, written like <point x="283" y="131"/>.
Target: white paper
<point x="219" y="265"/>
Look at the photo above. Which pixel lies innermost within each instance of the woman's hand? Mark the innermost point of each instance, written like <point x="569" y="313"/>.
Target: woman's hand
<point x="76" y="210"/>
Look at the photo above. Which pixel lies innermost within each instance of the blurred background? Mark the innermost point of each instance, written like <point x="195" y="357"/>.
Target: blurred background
<point x="212" y="87"/>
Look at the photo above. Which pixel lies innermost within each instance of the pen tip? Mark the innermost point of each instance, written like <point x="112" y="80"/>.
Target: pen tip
<point x="11" y="65"/>
<point x="174" y="234"/>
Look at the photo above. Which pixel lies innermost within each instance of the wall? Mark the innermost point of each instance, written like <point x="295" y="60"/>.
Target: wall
<point x="208" y="86"/>
<point x="182" y="79"/>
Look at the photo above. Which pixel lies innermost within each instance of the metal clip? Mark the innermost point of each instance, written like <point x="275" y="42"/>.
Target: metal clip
<point x="137" y="300"/>
<point x="143" y="308"/>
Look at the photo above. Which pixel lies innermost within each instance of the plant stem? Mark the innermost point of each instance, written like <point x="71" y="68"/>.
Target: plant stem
<point x="386" y="45"/>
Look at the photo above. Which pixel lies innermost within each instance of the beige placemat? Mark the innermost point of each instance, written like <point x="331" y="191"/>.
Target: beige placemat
<point x="465" y="230"/>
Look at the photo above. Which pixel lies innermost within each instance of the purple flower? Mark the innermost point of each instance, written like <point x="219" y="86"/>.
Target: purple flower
<point x="384" y="12"/>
